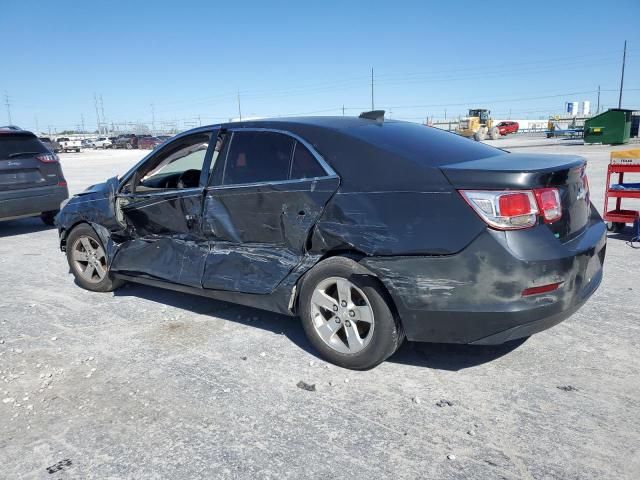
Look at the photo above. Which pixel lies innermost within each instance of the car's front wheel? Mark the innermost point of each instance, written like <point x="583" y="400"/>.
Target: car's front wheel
<point x="347" y="316"/>
<point x="88" y="260"/>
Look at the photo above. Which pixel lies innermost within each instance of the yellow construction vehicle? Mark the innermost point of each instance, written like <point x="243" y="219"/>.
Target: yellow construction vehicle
<point x="478" y="125"/>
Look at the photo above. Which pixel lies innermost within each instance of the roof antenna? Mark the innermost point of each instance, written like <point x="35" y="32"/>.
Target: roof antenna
<point x="377" y="115"/>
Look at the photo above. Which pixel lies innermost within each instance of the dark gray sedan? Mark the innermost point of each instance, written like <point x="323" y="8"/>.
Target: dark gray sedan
<point x="369" y="230"/>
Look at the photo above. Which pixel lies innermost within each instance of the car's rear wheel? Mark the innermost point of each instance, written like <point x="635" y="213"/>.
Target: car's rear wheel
<point x="48" y="217"/>
<point x="129" y="146"/>
<point x="88" y="260"/>
<point x="347" y="316"/>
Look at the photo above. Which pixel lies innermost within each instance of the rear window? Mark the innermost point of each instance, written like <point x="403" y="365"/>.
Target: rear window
<point x="426" y="145"/>
<point x="10" y="144"/>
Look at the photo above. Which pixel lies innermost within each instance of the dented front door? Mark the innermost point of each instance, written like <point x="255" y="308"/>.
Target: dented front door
<point x="160" y="205"/>
<point x="166" y="242"/>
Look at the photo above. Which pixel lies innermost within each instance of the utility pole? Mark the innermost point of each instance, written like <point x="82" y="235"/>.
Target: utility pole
<point x="445" y="113"/>
<point x="199" y="121"/>
<point x="153" y="119"/>
<point x="239" y="110"/>
<point x="372" y="107"/>
<point x="8" y="104"/>
<point x="95" y="104"/>
<point x="102" y="116"/>
<point x="598" y="107"/>
<point x="343" y="109"/>
<point x="82" y="121"/>
<point x="624" y="59"/>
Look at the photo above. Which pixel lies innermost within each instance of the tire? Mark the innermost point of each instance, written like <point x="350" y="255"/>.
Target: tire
<point x="48" y="217"/>
<point x="78" y="256"/>
<point x="375" y="340"/>
<point x="129" y="146"/>
<point x="494" y="134"/>
<point x="479" y="136"/>
<point x="616" y="227"/>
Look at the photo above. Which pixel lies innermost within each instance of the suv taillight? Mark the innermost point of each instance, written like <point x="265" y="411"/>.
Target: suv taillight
<point x="514" y="209"/>
<point x="47" y="158"/>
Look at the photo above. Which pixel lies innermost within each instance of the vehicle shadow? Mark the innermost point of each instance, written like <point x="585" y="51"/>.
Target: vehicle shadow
<point x="270" y="321"/>
<point x="431" y="355"/>
<point x="452" y="357"/>
<point x="625" y="235"/>
<point x="22" y="226"/>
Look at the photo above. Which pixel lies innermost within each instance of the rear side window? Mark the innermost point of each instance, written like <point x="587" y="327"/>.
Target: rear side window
<point x="13" y="145"/>
<point x="304" y="164"/>
<point x="258" y="157"/>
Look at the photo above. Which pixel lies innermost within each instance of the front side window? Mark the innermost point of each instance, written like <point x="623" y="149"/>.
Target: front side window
<point x="177" y="166"/>
<point x="258" y="157"/>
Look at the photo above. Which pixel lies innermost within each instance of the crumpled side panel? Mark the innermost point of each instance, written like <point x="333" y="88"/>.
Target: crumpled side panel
<point x="171" y="259"/>
<point x="95" y="206"/>
<point x="397" y="223"/>
<point x="246" y="268"/>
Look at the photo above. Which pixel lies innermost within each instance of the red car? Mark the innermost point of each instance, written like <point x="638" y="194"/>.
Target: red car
<point x="505" y="128"/>
<point x="149" y="143"/>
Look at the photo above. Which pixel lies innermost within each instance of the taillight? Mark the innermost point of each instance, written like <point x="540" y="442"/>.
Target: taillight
<point x="515" y="209"/>
<point x="47" y="158"/>
<point x="504" y="210"/>
<point x="549" y="203"/>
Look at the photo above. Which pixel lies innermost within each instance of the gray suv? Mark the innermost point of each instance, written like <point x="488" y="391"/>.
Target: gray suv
<point x="31" y="179"/>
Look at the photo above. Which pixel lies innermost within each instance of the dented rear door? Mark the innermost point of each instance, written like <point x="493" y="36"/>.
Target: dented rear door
<point x="259" y="230"/>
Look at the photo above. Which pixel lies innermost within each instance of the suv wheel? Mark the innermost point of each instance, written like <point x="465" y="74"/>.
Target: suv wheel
<point x="48" y="217"/>
<point x="346" y="315"/>
<point x="88" y="260"/>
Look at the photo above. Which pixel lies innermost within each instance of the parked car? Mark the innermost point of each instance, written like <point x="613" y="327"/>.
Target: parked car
<point x="31" y="179"/>
<point x="127" y="141"/>
<point x="464" y="243"/>
<point x="52" y="145"/>
<point x="87" y="143"/>
<point x="68" y="145"/>
<point x="102" y="142"/>
<point x="149" y="143"/>
<point x="505" y="128"/>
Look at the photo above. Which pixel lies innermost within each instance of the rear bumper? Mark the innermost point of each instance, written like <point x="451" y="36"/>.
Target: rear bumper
<point x="475" y="296"/>
<point x="31" y="201"/>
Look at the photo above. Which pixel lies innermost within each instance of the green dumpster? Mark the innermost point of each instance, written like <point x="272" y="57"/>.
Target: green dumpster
<point x="610" y="127"/>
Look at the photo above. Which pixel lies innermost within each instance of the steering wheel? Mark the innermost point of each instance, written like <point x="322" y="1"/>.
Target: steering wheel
<point x="189" y="179"/>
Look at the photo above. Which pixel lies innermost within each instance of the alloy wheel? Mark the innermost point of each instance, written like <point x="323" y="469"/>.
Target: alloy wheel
<point x="89" y="259"/>
<point x="342" y="315"/>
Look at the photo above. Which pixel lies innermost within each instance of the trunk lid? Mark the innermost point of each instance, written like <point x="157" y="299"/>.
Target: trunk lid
<point x="512" y="171"/>
<point x="19" y="167"/>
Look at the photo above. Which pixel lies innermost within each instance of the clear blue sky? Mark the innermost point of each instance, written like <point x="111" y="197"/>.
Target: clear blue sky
<point x="190" y="58"/>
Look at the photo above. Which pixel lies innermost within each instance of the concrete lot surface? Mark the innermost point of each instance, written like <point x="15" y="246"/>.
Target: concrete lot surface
<point x="147" y="383"/>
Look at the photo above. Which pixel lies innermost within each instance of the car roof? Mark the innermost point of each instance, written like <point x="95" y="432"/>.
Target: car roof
<point x="15" y="130"/>
<point x="364" y="151"/>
